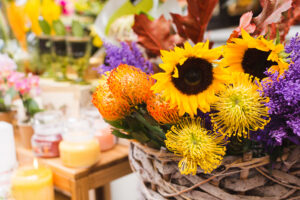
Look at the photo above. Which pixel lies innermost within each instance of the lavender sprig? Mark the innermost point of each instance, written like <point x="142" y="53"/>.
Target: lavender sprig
<point x="284" y="104"/>
<point x="125" y="54"/>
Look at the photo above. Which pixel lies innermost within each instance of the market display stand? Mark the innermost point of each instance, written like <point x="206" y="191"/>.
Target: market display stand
<point x="77" y="182"/>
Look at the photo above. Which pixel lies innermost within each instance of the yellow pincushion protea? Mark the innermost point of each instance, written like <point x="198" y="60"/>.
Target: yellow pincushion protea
<point x="189" y="79"/>
<point x="197" y="145"/>
<point x="130" y="84"/>
<point x="161" y="111"/>
<point x="110" y="107"/>
<point x="240" y="108"/>
<point x="253" y="56"/>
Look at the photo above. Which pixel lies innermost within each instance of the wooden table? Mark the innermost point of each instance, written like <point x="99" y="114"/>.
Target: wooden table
<point x="77" y="182"/>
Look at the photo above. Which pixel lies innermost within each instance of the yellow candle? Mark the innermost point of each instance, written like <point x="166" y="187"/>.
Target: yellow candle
<point x="29" y="183"/>
<point x="79" y="153"/>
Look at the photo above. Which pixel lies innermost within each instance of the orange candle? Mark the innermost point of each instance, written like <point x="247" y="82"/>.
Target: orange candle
<point x="79" y="154"/>
<point x="33" y="183"/>
<point x="106" y="139"/>
<point x="79" y="148"/>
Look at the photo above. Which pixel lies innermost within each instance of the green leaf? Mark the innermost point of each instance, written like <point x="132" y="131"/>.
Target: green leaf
<point x="119" y="124"/>
<point x="12" y="92"/>
<point x="31" y="107"/>
<point x="119" y="134"/>
<point x="45" y="26"/>
<point x="59" y="28"/>
<point x="140" y="136"/>
<point x="77" y="29"/>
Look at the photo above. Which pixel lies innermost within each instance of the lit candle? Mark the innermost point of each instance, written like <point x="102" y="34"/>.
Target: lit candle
<point x="33" y="183"/>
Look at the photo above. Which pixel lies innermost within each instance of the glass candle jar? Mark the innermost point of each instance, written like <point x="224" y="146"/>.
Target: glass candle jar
<point x="79" y="148"/>
<point x="103" y="131"/>
<point x="48" y="128"/>
<point x="33" y="183"/>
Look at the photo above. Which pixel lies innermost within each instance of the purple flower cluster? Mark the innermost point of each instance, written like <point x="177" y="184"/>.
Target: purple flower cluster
<point x="284" y="104"/>
<point x="125" y="54"/>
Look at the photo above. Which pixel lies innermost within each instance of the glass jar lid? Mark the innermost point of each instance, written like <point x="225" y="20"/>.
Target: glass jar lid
<point x="78" y="130"/>
<point x="48" y="123"/>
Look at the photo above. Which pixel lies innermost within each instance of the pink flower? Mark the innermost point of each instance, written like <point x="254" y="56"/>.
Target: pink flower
<point x="22" y="86"/>
<point x="33" y="80"/>
<point x="14" y="77"/>
<point x="245" y="23"/>
<point x="67" y="6"/>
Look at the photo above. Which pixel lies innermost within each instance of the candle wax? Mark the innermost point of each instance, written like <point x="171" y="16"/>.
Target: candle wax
<point x="29" y="183"/>
<point x="106" y="139"/>
<point x="79" y="154"/>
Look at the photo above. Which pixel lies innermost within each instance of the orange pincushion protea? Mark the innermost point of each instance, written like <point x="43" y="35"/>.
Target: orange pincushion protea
<point x="111" y="108"/>
<point x="161" y="111"/>
<point x="130" y="84"/>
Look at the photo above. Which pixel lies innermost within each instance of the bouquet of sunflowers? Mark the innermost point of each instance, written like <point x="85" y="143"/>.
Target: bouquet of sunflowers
<point x="205" y="104"/>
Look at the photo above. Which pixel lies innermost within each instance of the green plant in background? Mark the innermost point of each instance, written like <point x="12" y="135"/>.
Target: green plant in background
<point x="45" y="57"/>
<point x="60" y="51"/>
<point x="80" y="50"/>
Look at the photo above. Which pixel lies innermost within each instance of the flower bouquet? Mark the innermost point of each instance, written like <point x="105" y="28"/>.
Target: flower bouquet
<point x="7" y="91"/>
<point x="211" y="123"/>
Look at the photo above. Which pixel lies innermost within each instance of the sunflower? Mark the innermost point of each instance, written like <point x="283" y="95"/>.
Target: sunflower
<point x="161" y="110"/>
<point x="189" y="79"/>
<point x="254" y="56"/>
<point x="131" y="84"/>
<point x="110" y="107"/>
<point x="197" y="145"/>
<point x="240" y="108"/>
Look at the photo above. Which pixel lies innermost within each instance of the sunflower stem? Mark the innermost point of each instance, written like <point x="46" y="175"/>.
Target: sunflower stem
<point x="154" y="129"/>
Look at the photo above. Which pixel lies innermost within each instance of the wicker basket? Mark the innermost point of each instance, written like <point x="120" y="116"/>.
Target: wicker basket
<point x="237" y="178"/>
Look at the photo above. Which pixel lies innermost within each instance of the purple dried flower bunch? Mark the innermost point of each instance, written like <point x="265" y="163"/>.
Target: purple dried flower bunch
<point x="284" y="104"/>
<point x="127" y="53"/>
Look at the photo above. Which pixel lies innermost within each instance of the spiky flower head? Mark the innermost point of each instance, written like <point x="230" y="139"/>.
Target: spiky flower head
<point x="131" y="84"/>
<point x="197" y="145"/>
<point x="110" y="107"/>
<point x="240" y="108"/>
<point x="161" y="111"/>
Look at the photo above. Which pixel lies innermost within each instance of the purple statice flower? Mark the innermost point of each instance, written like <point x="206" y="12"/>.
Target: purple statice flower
<point x="125" y="54"/>
<point x="284" y="104"/>
<point x="294" y="124"/>
<point x="273" y="133"/>
<point x="206" y="118"/>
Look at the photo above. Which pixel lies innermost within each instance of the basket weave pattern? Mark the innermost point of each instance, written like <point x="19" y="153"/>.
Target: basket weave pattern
<point x="238" y="178"/>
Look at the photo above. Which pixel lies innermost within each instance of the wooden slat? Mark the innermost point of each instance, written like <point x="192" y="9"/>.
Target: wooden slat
<point x="117" y="154"/>
<point x="80" y="189"/>
<point x="104" y="176"/>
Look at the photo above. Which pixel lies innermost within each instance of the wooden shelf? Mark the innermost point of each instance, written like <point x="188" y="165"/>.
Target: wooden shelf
<point x="75" y="182"/>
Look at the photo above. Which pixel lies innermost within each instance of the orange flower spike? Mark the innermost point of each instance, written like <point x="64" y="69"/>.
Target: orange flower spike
<point x="131" y="84"/>
<point x="17" y="21"/>
<point x="111" y="108"/>
<point x="161" y="110"/>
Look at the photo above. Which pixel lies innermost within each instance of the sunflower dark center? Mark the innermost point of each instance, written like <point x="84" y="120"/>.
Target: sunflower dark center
<point x="194" y="76"/>
<point x="255" y="62"/>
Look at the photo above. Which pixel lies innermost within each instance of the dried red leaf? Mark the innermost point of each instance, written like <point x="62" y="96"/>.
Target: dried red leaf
<point x="289" y="18"/>
<point x="193" y="26"/>
<point x="156" y="35"/>
<point x="271" y="13"/>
